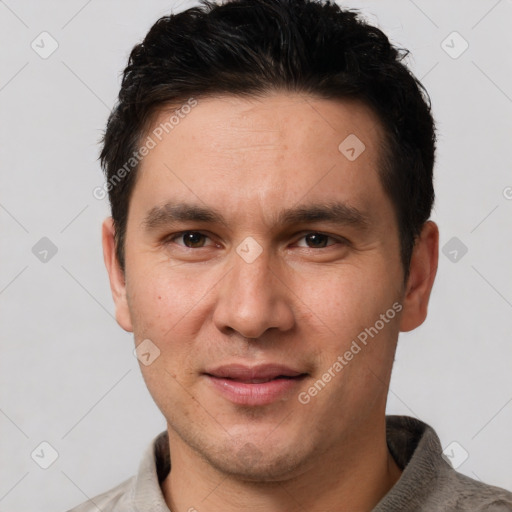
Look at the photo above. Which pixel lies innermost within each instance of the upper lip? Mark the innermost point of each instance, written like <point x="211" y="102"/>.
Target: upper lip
<point x="247" y="373"/>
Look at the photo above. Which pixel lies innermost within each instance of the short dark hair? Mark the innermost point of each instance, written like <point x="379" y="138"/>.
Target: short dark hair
<point x="254" y="47"/>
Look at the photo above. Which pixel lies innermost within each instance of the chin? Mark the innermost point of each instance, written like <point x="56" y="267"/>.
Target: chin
<point x="248" y="451"/>
<point x="266" y="462"/>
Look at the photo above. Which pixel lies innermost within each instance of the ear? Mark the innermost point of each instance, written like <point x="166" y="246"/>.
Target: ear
<point x="422" y="272"/>
<point x="116" y="275"/>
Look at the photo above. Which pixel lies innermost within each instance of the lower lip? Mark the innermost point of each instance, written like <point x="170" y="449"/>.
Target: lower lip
<point x="264" y="393"/>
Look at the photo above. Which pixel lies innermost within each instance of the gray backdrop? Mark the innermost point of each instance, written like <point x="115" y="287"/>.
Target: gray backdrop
<point x="68" y="378"/>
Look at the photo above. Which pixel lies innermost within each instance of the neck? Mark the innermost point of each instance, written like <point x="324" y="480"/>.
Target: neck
<point x="352" y="477"/>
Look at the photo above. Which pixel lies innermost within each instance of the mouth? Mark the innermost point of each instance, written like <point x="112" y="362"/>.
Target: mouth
<point x="254" y="385"/>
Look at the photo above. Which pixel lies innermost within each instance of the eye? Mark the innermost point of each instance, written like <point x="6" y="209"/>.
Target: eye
<point x="319" y="240"/>
<point x="197" y="240"/>
<point x="191" y="239"/>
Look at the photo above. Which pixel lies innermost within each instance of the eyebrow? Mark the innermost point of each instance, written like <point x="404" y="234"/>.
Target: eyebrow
<point x="333" y="212"/>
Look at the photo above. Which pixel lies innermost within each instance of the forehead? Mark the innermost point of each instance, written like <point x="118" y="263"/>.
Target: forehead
<point x="224" y="121"/>
<point x="268" y="150"/>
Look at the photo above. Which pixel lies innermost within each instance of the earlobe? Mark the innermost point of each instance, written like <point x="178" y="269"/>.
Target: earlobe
<point x="116" y="275"/>
<point x="422" y="273"/>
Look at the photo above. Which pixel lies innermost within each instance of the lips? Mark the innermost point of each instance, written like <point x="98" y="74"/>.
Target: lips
<point x="255" y="374"/>
<point x="254" y="385"/>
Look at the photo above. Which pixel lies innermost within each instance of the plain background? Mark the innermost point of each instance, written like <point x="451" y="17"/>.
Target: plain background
<point x="68" y="376"/>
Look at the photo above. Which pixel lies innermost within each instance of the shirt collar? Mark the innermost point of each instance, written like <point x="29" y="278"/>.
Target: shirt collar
<point x="154" y="467"/>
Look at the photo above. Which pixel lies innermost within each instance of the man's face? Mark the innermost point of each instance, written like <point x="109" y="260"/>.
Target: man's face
<point x="252" y="307"/>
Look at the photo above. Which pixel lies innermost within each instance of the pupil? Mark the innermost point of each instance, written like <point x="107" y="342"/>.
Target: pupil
<point x="193" y="238"/>
<point x="317" y="237"/>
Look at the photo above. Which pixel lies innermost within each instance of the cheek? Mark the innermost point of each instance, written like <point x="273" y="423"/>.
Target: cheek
<point x="348" y="298"/>
<point x="169" y="307"/>
<point x="153" y="310"/>
<point x="344" y="319"/>
<point x="159" y="295"/>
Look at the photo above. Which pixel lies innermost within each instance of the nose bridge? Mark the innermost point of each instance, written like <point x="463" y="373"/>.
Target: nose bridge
<point x="251" y="298"/>
<point x="252" y="286"/>
<point x="252" y="276"/>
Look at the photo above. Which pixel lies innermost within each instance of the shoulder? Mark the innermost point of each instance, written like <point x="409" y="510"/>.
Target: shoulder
<point x="428" y="482"/>
<point x="116" y="499"/>
<point x="469" y="494"/>
<point x="141" y="491"/>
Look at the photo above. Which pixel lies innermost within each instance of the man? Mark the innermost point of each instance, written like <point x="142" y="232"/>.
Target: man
<point x="269" y="168"/>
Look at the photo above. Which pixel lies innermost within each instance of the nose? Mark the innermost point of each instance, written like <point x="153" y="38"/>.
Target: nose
<point x="252" y="298"/>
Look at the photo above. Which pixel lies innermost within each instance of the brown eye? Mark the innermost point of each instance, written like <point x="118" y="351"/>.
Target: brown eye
<point x="318" y="240"/>
<point x="191" y="239"/>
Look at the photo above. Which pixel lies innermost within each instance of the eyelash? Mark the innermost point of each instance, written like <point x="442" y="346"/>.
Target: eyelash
<point x="170" y="239"/>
